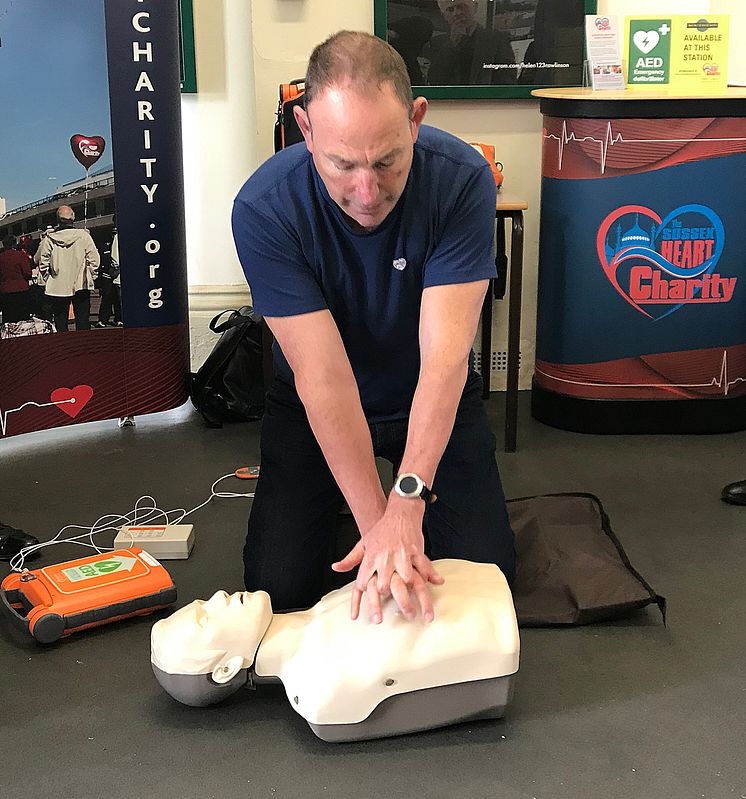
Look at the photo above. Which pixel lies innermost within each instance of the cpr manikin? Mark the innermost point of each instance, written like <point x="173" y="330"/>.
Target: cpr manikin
<point x="349" y="679"/>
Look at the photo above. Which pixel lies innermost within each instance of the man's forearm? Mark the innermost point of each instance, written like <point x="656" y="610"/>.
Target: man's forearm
<point x="337" y="420"/>
<point x="431" y="419"/>
<point x="448" y="322"/>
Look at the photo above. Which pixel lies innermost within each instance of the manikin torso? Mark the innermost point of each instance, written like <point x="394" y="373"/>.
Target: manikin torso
<point x="335" y="670"/>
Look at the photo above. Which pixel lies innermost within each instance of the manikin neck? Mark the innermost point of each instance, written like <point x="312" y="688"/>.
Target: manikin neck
<point x="281" y="640"/>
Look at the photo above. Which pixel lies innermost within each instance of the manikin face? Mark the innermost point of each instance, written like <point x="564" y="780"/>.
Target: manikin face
<point x="219" y="636"/>
<point x="362" y="146"/>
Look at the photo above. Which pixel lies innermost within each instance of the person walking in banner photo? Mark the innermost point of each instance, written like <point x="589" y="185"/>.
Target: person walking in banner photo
<point x="15" y="274"/>
<point x="68" y="260"/>
<point x="109" y="284"/>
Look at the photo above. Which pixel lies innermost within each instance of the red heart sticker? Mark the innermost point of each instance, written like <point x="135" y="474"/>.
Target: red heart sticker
<point x="87" y="149"/>
<point x="71" y="400"/>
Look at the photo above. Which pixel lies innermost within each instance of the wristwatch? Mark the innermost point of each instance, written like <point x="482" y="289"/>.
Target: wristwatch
<point x="411" y="486"/>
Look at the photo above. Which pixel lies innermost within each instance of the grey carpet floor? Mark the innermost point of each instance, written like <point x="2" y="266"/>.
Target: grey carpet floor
<point x="624" y="709"/>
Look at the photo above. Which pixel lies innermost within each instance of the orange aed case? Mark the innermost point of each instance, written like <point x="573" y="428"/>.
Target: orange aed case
<point x="58" y="600"/>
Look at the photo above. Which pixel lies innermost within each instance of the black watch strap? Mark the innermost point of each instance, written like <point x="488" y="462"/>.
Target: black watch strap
<point x="427" y="495"/>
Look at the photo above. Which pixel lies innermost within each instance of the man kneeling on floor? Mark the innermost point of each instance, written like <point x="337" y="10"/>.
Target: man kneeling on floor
<point x="368" y="250"/>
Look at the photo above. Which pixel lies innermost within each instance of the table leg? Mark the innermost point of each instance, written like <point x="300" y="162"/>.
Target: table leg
<point x="501" y="258"/>
<point x="495" y="291"/>
<point x="514" y="331"/>
<point x="485" y="368"/>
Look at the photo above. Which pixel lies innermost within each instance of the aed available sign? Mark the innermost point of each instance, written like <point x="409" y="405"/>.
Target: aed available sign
<point x="649" y="51"/>
<point x="680" y="52"/>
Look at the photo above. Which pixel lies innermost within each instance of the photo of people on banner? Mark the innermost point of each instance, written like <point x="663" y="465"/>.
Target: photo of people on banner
<point x="89" y="89"/>
<point x="488" y="42"/>
<point x="57" y="187"/>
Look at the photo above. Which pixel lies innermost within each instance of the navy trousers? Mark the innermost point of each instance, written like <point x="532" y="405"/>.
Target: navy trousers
<point x="290" y="543"/>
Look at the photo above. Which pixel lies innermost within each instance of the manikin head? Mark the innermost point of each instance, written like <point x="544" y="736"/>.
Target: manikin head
<point x="360" y="124"/>
<point x="201" y="652"/>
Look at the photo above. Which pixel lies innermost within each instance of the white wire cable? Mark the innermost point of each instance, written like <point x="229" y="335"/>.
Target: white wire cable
<point x="141" y="514"/>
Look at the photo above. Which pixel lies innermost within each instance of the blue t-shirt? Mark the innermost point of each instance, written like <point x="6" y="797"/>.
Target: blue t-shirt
<point x="300" y="254"/>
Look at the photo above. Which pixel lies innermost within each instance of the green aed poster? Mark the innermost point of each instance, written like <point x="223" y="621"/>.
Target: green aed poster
<point x="649" y="52"/>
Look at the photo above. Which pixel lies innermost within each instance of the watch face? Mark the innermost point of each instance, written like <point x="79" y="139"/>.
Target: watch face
<point x="409" y="485"/>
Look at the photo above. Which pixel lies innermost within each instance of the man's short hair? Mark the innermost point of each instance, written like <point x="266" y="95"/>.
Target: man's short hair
<point x="361" y="59"/>
<point x="10" y="241"/>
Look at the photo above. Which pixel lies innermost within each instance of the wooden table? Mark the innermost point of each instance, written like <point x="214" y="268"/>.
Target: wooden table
<point x="508" y="207"/>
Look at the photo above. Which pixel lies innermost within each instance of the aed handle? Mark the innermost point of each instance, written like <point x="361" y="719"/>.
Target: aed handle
<point x="14" y="595"/>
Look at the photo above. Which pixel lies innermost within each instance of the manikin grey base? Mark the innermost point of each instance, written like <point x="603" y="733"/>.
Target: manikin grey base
<point x="426" y="710"/>
<point x="404" y="713"/>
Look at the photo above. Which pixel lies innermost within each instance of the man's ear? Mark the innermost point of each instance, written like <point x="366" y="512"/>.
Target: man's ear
<point x="304" y="123"/>
<point x="225" y="672"/>
<point x="419" y="109"/>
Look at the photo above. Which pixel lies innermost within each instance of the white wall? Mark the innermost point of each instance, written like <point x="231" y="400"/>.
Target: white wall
<point x="737" y="62"/>
<point x="219" y="125"/>
<point x="219" y="139"/>
<point x="228" y="131"/>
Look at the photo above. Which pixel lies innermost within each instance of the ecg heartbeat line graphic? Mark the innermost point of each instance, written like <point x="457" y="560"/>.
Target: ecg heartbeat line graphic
<point x="612" y="139"/>
<point x="721" y="381"/>
<point x="70" y="401"/>
<point x="5" y="414"/>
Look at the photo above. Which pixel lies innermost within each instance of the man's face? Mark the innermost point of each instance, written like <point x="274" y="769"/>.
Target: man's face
<point x="459" y="13"/>
<point x="362" y="146"/>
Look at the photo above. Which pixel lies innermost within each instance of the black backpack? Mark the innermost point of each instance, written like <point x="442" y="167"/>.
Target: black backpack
<point x="229" y="386"/>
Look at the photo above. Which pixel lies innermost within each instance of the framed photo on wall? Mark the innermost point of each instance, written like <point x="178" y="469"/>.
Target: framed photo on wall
<point x="186" y="42"/>
<point x="470" y="49"/>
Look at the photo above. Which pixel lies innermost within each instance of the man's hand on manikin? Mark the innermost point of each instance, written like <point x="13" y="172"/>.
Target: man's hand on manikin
<point x="392" y="562"/>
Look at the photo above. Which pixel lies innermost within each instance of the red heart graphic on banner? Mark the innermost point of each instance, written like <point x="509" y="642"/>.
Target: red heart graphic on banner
<point x="661" y="265"/>
<point x="71" y="400"/>
<point x="87" y="149"/>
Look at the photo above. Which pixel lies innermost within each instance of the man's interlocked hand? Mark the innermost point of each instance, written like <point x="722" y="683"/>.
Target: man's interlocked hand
<point x="392" y="562"/>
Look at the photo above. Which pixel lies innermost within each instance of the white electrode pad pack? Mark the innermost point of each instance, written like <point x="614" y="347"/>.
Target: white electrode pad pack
<point x="164" y="541"/>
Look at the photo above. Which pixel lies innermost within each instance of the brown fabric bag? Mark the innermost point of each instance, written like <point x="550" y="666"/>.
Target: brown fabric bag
<point x="571" y="568"/>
